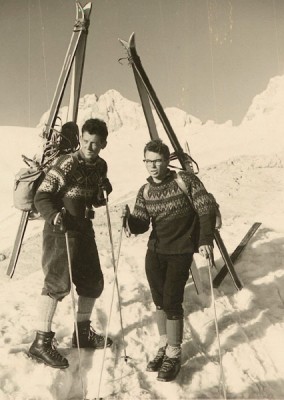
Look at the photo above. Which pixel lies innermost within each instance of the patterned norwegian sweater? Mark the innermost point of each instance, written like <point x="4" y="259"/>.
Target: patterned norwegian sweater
<point x="175" y="225"/>
<point x="71" y="183"/>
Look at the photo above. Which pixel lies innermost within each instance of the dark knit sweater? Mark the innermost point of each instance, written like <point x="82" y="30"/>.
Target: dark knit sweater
<point x="71" y="183"/>
<point x="168" y="209"/>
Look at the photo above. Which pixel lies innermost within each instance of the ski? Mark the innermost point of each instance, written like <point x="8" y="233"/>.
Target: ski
<point x="74" y="56"/>
<point x="80" y="28"/>
<point x="236" y="253"/>
<point x="18" y="243"/>
<point x="228" y="262"/>
<point x="147" y="93"/>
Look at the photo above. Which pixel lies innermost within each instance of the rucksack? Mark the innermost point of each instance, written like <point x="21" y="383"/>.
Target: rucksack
<point x="28" y="179"/>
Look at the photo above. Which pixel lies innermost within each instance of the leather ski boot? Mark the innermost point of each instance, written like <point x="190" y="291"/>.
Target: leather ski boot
<point x="169" y="369"/>
<point x="155" y="364"/>
<point x="43" y="351"/>
<point x="88" y="338"/>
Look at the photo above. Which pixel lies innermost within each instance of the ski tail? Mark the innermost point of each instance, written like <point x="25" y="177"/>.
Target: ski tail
<point x="235" y="255"/>
<point x="18" y="243"/>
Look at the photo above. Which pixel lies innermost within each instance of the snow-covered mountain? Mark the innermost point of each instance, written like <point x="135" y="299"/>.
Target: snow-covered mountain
<point x="243" y="166"/>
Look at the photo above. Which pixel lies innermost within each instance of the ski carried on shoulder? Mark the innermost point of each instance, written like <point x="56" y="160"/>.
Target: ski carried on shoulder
<point x="75" y="51"/>
<point x="147" y="94"/>
<point x="235" y="255"/>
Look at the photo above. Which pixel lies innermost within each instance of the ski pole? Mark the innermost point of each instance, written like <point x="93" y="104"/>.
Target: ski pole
<point x="222" y="377"/>
<point x="115" y="282"/>
<point x="114" y="264"/>
<point x="74" y="312"/>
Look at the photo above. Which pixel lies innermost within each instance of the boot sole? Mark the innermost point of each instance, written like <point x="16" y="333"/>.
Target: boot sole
<point x="152" y="370"/>
<point x="74" y="346"/>
<point x="172" y="378"/>
<point x="40" y="361"/>
<point x="149" y="369"/>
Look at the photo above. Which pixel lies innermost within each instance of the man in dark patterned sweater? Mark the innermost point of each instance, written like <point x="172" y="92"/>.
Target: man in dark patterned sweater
<point x="177" y="232"/>
<point x="65" y="198"/>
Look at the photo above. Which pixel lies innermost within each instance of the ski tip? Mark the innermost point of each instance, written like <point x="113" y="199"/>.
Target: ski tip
<point x="132" y="40"/>
<point x="87" y="9"/>
<point x="123" y="42"/>
<point x="130" y="43"/>
<point x="83" y="13"/>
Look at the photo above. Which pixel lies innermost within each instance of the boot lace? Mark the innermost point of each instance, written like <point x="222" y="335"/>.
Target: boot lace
<point x="160" y="354"/>
<point x="94" y="337"/>
<point x="168" y="364"/>
<point x="51" y="349"/>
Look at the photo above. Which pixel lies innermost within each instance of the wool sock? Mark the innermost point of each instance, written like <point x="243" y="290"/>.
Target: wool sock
<point x="173" y="351"/>
<point x="85" y="308"/>
<point x="161" y="320"/>
<point x="47" y="307"/>
<point x="163" y="341"/>
<point x="175" y="332"/>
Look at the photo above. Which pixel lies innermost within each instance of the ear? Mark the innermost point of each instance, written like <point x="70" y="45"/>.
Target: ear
<point x="104" y="144"/>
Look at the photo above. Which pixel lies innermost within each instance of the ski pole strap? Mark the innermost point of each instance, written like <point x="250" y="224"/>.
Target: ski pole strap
<point x="125" y="226"/>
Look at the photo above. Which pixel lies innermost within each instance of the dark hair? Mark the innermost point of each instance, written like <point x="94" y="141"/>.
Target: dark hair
<point x="96" y="126"/>
<point x="157" y="146"/>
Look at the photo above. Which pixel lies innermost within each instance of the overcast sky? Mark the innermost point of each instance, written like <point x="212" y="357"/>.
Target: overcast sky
<point x="208" y="57"/>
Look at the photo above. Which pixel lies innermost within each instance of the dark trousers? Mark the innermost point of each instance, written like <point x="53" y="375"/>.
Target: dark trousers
<point x="167" y="275"/>
<point x="86" y="269"/>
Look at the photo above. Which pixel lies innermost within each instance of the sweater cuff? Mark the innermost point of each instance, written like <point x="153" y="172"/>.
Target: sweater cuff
<point x="137" y="225"/>
<point x="207" y="227"/>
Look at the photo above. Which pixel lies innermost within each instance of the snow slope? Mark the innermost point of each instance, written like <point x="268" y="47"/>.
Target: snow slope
<point x="243" y="167"/>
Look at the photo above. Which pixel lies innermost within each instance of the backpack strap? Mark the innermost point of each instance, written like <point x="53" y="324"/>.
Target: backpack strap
<point x="181" y="184"/>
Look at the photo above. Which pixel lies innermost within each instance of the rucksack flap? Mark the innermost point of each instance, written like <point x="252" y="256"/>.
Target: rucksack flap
<point x="27" y="181"/>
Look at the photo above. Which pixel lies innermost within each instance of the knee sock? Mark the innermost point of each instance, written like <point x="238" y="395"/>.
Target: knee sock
<point x="174" y="335"/>
<point x="161" y="320"/>
<point x="85" y="308"/>
<point x="47" y="307"/>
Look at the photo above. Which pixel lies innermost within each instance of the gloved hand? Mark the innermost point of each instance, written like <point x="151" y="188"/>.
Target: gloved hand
<point x="61" y="220"/>
<point x="105" y="185"/>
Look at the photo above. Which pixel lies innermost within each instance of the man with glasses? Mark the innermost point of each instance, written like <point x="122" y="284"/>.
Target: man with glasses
<point x="178" y="231"/>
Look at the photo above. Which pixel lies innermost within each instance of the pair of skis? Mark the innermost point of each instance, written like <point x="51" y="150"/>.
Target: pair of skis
<point x="148" y="96"/>
<point x="75" y="57"/>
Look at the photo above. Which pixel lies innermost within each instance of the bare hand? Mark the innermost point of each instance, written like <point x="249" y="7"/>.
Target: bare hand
<point x="125" y="211"/>
<point x="206" y="251"/>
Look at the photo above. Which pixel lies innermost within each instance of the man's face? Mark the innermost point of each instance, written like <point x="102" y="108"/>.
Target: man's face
<point x="156" y="165"/>
<point x="91" y="145"/>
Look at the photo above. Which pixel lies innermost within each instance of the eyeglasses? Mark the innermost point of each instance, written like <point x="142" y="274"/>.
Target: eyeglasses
<point x="153" y="162"/>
